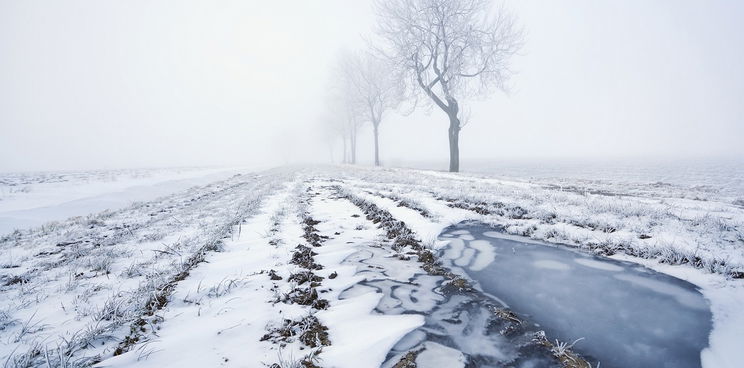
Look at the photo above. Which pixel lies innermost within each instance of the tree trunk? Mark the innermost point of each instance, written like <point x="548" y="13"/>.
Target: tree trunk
<point x="375" y="126"/>
<point x="353" y="147"/>
<point x="345" y="161"/>
<point x="454" y="142"/>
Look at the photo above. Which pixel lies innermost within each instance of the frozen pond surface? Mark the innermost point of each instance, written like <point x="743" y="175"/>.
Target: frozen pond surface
<point x="627" y="315"/>
<point x="460" y="329"/>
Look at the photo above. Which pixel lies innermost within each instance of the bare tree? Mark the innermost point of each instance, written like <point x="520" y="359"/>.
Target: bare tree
<point x="449" y="50"/>
<point x="331" y="131"/>
<point x="372" y="87"/>
<point x="345" y="126"/>
<point x="345" y="104"/>
<point x="344" y="117"/>
<point x="352" y="120"/>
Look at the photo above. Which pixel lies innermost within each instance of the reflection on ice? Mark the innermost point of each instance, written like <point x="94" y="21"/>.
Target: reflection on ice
<point x="683" y="296"/>
<point x="490" y="234"/>
<point x="606" y="266"/>
<point x="550" y="265"/>
<point x="629" y="316"/>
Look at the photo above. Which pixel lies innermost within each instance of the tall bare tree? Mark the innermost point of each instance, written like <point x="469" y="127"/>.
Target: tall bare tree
<point x="344" y="123"/>
<point x="352" y="120"/>
<point x="344" y="115"/>
<point x="332" y="130"/>
<point x="372" y="87"/>
<point x="449" y="50"/>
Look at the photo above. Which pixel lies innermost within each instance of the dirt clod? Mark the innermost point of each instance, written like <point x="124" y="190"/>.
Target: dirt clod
<point x="303" y="257"/>
<point x="306" y="296"/>
<point x="305" y="276"/>
<point x="274" y="276"/>
<point x="408" y="360"/>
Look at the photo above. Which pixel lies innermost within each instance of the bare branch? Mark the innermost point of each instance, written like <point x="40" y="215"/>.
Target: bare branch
<point x="450" y="49"/>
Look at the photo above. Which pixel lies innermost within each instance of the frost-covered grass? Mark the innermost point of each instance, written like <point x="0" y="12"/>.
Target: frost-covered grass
<point x="72" y="288"/>
<point x="704" y="233"/>
<point x="698" y="240"/>
<point x="200" y="277"/>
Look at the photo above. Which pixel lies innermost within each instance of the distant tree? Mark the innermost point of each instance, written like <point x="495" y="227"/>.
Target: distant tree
<point x="352" y="120"/>
<point x="330" y="132"/>
<point x="449" y="50"/>
<point x="345" y="104"/>
<point x="344" y="117"/>
<point x="345" y="127"/>
<point x="372" y="89"/>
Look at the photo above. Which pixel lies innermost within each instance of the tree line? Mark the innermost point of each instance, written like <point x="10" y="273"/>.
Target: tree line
<point x="425" y="53"/>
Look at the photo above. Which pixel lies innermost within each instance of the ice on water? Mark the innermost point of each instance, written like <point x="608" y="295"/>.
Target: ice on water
<point x="627" y="315"/>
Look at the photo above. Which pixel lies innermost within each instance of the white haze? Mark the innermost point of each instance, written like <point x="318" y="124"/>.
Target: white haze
<point x="135" y="83"/>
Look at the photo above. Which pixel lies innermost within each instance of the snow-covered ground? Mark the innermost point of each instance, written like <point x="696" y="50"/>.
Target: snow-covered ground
<point x="31" y="199"/>
<point x="335" y="267"/>
<point x="702" y="178"/>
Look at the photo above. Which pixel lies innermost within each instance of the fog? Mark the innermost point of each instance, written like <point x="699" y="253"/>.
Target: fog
<point x="119" y="84"/>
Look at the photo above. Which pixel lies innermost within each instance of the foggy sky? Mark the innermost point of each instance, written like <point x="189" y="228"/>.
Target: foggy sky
<point x="150" y="83"/>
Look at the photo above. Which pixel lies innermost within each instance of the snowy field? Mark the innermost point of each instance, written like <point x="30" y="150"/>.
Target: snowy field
<point x="333" y="267"/>
<point x="694" y="178"/>
<point x="33" y="198"/>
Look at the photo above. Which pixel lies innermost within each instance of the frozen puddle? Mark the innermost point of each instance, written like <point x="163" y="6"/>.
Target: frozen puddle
<point x="625" y="315"/>
<point x="459" y="330"/>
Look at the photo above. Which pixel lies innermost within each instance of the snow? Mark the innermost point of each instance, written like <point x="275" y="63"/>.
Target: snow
<point x="485" y="254"/>
<point x="29" y="200"/>
<point x="214" y="330"/>
<point x="81" y="281"/>
<point x="205" y="325"/>
<point x="363" y="339"/>
<point x="357" y="332"/>
<point x="682" y="221"/>
<point x="86" y="279"/>
<point x="436" y="355"/>
<point x="647" y="223"/>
